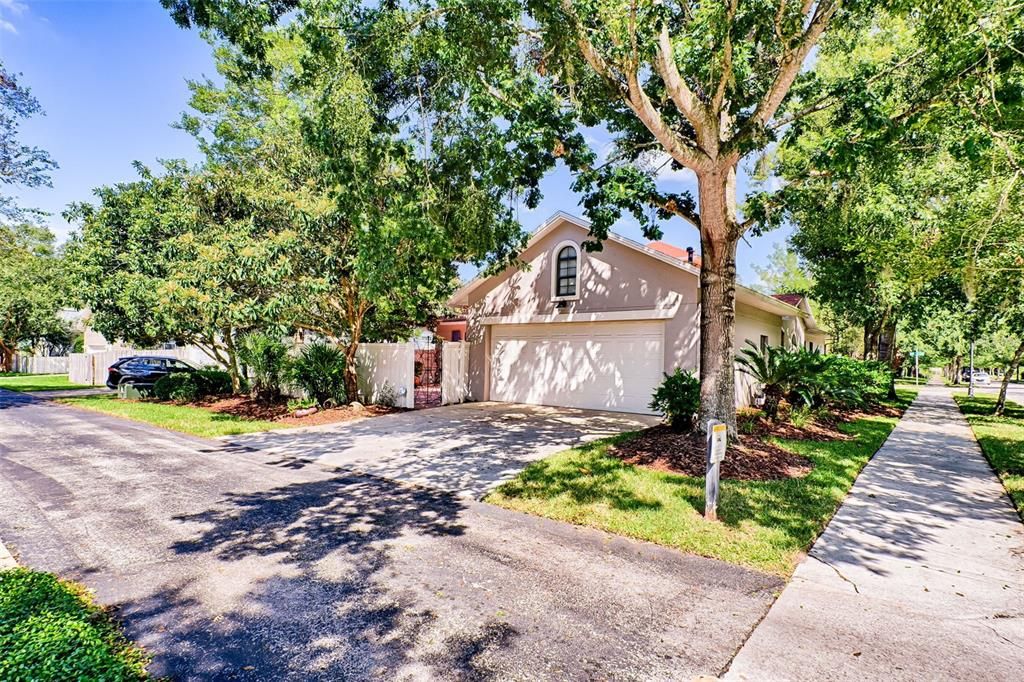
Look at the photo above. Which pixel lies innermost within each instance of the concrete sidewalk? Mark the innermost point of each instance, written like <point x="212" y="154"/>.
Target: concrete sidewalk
<point x="920" y="575"/>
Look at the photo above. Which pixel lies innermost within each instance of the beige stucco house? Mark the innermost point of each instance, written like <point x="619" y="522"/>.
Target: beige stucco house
<point x="598" y="330"/>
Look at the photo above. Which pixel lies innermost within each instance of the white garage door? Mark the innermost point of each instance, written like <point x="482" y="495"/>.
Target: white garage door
<point x="591" y="365"/>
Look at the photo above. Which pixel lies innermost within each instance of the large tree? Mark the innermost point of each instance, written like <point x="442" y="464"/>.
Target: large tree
<point x="695" y="85"/>
<point x="31" y="288"/>
<point x="392" y="184"/>
<point x="21" y="165"/>
<point x="193" y="256"/>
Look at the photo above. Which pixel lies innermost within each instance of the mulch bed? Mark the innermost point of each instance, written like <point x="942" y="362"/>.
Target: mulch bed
<point x="751" y="457"/>
<point x="247" y="408"/>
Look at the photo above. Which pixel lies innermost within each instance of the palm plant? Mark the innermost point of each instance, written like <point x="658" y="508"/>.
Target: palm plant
<point x="320" y="372"/>
<point x="779" y="371"/>
<point x="266" y="358"/>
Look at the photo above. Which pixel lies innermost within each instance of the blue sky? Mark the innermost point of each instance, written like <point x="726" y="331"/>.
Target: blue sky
<point x="111" y="77"/>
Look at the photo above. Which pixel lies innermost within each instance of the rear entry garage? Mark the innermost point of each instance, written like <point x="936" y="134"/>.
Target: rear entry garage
<point x="589" y="365"/>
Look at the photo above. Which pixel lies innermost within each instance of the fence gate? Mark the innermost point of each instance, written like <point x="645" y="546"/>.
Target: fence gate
<point x="427" y="373"/>
<point x="454" y="372"/>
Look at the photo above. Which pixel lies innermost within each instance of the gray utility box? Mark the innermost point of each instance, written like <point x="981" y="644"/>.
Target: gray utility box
<point x="129" y="392"/>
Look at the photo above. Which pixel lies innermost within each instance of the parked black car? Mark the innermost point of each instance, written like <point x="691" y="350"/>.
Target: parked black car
<point x="143" y="370"/>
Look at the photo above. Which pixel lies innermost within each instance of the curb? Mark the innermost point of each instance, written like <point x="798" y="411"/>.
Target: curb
<point x="6" y="560"/>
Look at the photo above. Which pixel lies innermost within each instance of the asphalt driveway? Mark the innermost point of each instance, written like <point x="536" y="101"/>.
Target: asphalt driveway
<point x="464" y="449"/>
<point x="230" y="564"/>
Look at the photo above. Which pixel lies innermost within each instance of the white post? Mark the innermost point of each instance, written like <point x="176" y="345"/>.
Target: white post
<point x="917" y="367"/>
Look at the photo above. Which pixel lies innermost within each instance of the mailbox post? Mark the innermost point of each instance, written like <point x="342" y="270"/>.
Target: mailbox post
<point x="717" y="437"/>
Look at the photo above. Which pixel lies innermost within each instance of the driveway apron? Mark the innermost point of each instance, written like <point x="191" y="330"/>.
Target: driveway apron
<point x="234" y="565"/>
<point x="919" y="576"/>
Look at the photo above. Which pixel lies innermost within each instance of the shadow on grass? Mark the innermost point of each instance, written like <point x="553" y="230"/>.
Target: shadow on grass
<point x="594" y="477"/>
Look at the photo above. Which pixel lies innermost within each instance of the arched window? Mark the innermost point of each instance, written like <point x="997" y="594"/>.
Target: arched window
<point x="566" y="271"/>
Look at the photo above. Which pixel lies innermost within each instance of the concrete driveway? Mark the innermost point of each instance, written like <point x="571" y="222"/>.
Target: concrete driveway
<point x="464" y="449"/>
<point x="238" y="566"/>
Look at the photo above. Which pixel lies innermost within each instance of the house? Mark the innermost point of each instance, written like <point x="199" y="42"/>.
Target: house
<point x="451" y="328"/>
<point x="598" y="330"/>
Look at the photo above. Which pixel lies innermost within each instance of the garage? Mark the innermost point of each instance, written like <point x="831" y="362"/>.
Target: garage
<point x="590" y="365"/>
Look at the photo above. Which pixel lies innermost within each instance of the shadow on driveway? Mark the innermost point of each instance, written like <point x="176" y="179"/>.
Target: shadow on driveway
<point x="465" y="449"/>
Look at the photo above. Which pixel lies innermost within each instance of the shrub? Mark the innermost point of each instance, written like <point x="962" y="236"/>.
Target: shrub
<point x="320" y="372"/>
<point x="678" y="398"/>
<point x="212" y="382"/>
<point x="266" y="358"/>
<point x="180" y="387"/>
<point x="780" y="373"/>
<point x="51" y="630"/>
<point x="387" y="396"/>
<point x="848" y="382"/>
<point x="186" y="387"/>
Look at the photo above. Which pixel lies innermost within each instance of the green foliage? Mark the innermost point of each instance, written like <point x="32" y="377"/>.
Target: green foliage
<point x="319" y="370"/>
<point x="780" y="372"/>
<point x="267" y="359"/>
<point x="186" y="387"/>
<point x="678" y="398"/>
<point x="51" y="630"/>
<point x="814" y="380"/>
<point x="20" y="164"/>
<point x="31" y="288"/>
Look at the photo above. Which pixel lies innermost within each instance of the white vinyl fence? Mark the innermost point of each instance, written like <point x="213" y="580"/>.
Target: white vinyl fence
<point x="393" y="364"/>
<point x="454" y="372"/>
<point x="41" y="364"/>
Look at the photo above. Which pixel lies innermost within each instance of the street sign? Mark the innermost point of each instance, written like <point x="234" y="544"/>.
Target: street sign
<point x="718" y="434"/>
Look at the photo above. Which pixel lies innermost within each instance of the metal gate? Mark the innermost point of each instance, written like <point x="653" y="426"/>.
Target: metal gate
<point x="427" y="372"/>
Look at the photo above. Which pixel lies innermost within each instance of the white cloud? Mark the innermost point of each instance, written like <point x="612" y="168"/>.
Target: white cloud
<point x="7" y="26"/>
<point x="13" y="6"/>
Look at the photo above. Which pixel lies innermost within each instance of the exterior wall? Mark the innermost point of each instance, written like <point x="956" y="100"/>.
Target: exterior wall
<point x="751" y="324"/>
<point x="446" y="327"/>
<point x="616" y="279"/>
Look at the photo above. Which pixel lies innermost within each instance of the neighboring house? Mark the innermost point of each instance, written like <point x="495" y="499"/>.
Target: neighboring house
<point x="598" y="330"/>
<point x="451" y="328"/>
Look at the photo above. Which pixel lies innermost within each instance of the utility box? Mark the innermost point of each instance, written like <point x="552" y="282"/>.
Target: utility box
<point x="128" y="392"/>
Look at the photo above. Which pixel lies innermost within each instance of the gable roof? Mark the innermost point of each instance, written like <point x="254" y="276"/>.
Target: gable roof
<point x="750" y="296"/>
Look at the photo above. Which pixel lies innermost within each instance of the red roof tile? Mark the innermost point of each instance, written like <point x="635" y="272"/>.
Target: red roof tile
<point x="791" y="299"/>
<point x="674" y="252"/>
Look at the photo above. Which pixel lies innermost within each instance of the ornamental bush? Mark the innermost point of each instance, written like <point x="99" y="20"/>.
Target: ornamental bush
<point x="267" y="359"/>
<point x="678" y="398"/>
<point x="186" y="387"/>
<point x="320" y="372"/>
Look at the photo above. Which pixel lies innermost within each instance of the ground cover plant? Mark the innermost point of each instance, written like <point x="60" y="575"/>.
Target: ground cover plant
<point x="767" y="518"/>
<point x="27" y="383"/>
<point x="1001" y="439"/>
<point x="50" y="629"/>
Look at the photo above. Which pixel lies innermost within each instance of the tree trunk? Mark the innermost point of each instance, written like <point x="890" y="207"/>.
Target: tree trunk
<point x="1014" y="364"/>
<point x="351" y="376"/>
<point x="6" y="357"/>
<point x="719" y="237"/>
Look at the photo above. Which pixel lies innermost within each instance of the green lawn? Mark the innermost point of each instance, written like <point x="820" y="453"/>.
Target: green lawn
<point x="1001" y="439"/>
<point x="27" y="383"/>
<point x="192" y="420"/>
<point x="762" y="524"/>
<point x="51" y="630"/>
